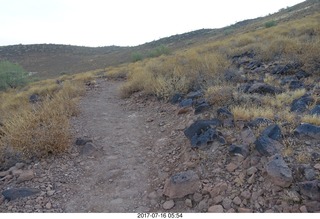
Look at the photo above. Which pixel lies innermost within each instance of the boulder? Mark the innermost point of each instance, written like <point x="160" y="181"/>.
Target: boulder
<point x="200" y="108"/>
<point x="267" y="146"/>
<point x="12" y="194"/>
<point x="202" y="132"/>
<point x="308" y="130"/>
<point x="311" y="189"/>
<point x="182" y="184"/>
<point x="315" y="110"/>
<point x="279" y="172"/>
<point x="186" y="103"/>
<point x="294" y="85"/>
<point x="300" y="105"/>
<point x="273" y="132"/>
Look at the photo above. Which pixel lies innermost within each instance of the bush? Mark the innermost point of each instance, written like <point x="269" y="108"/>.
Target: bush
<point x="269" y="24"/>
<point x="136" y="56"/>
<point x="158" y="51"/>
<point x="12" y="75"/>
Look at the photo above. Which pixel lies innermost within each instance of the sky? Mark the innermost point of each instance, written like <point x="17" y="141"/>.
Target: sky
<point x="120" y="22"/>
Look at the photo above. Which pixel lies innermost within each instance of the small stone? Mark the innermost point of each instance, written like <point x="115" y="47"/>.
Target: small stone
<point x="152" y="195"/>
<point x="188" y="203"/>
<point x="246" y="194"/>
<point x="236" y="200"/>
<point x="310" y="189"/>
<point x="219" y="189"/>
<point x="38" y="206"/>
<point x="48" y="205"/>
<point x="215" y="209"/>
<point x="248" y="136"/>
<point x="251" y="171"/>
<point x="50" y="192"/>
<point x="197" y="197"/>
<point x="12" y="194"/>
<point x="244" y="210"/>
<point x="226" y="203"/>
<point x="251" y="180"/>
<point x="39" y="199"/>
<point x="217" y="200"/>
<point x="239" y="150"/>
<point x="317" y="166"/>
<point x="231" y="167"/>
<point x="25" y="176"/>
<point x="269" y="211"/>
<point x="168" y="205"/>
<point x="231" y="210"/>
<point x="303" y="209"/>
<point x="83" y="141"/>
<point x="203" y="205"/>
<point x="4" y="173"/>
<point x="309" y="174"/>
<point x="19" y="165"/>
<point x="181" y="184"/>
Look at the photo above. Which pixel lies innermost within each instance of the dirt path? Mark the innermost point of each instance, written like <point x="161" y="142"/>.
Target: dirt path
<point x="116" y="179"/>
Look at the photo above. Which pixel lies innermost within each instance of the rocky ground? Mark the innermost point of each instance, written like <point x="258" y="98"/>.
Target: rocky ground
<point x="144" y="155"/>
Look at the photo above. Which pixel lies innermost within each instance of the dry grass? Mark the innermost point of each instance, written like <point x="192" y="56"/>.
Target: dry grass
<point x="249" y="113"/>
<point x="37" y="130"/>
<point x="312" y="119"/>
<point x="220" y="95"/>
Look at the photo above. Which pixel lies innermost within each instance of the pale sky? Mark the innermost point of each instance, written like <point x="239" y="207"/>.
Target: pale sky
<point x="120" y="22"/>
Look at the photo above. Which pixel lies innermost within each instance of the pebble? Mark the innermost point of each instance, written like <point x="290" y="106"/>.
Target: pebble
<point x="25" y="176"/>
<point x="303" y="209"/>
<point x="251" y="180"/>
<point x="244" y="210"/>
<point x="215" y="209"/>
<point x="251" y="171"/>
<point x="231" y="167"/>
<point x="217" y="199"/>
<point x="197" y="197"/>
<point x="246" y="194"/>
<point x="236" y="200"/>
<point x="168" y="205"/>
<point x="188" y="203"/>
<point x="317" y="166"/>
<point x="226" y="203"/>
<point x="48" y="205"/>
<point x="50" y="192"/>
<point x="203" y="205"/>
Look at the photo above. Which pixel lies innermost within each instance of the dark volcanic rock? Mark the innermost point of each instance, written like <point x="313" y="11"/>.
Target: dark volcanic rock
<point x="182" y="184"/>
<point x="224" y="113"/>
<point x="294" y="85"/>
<point x="311" y="189"/>
<point x="186" y="102"/>
<point x="300" y="105"/>
<point x="202" y="132"/>
<point x="262" y="88"/>
<point x="279" y="171"/>
<point x="286" y="69"/>
<point x="308" y="130"/>
<point x="273" y="132"/>
<point x="12" y="194"/>
<point x="267" y="146"/>
<point x="259" y="121"/>
<point x="176" y="98"/>
<point x="83" y="141"/>
<point x="240" y="150"/>
<point x="201" y="108"/>
<point x="34" y="98"/>
<point x="315" y="110"/>
<point x="302" y="74"/>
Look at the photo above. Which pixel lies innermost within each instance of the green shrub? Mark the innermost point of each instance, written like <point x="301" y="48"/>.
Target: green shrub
<point x="158" y="51"/>
<point x="269" y="24"/>
<point x="12" y="75"/>
<point x="136" y="56"/>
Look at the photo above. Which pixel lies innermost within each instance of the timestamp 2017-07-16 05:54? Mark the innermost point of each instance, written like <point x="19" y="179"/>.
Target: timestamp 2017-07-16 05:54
<point x="159" y="215"/>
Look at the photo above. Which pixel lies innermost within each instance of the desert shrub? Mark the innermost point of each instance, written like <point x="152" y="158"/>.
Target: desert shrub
<point x="43" y="129"/>
<point x="271" y="23"/>
<point x="219" y="95"/>
<point x="12" y="75"/>
<point x="158" y="51"/>
<point x="136" y="56"/>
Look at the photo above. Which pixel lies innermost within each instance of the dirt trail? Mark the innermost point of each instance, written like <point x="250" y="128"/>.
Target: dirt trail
<point x="116" y="179"/>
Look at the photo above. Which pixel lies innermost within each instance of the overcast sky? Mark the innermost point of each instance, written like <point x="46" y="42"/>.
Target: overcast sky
<point x="120" y="22"/>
